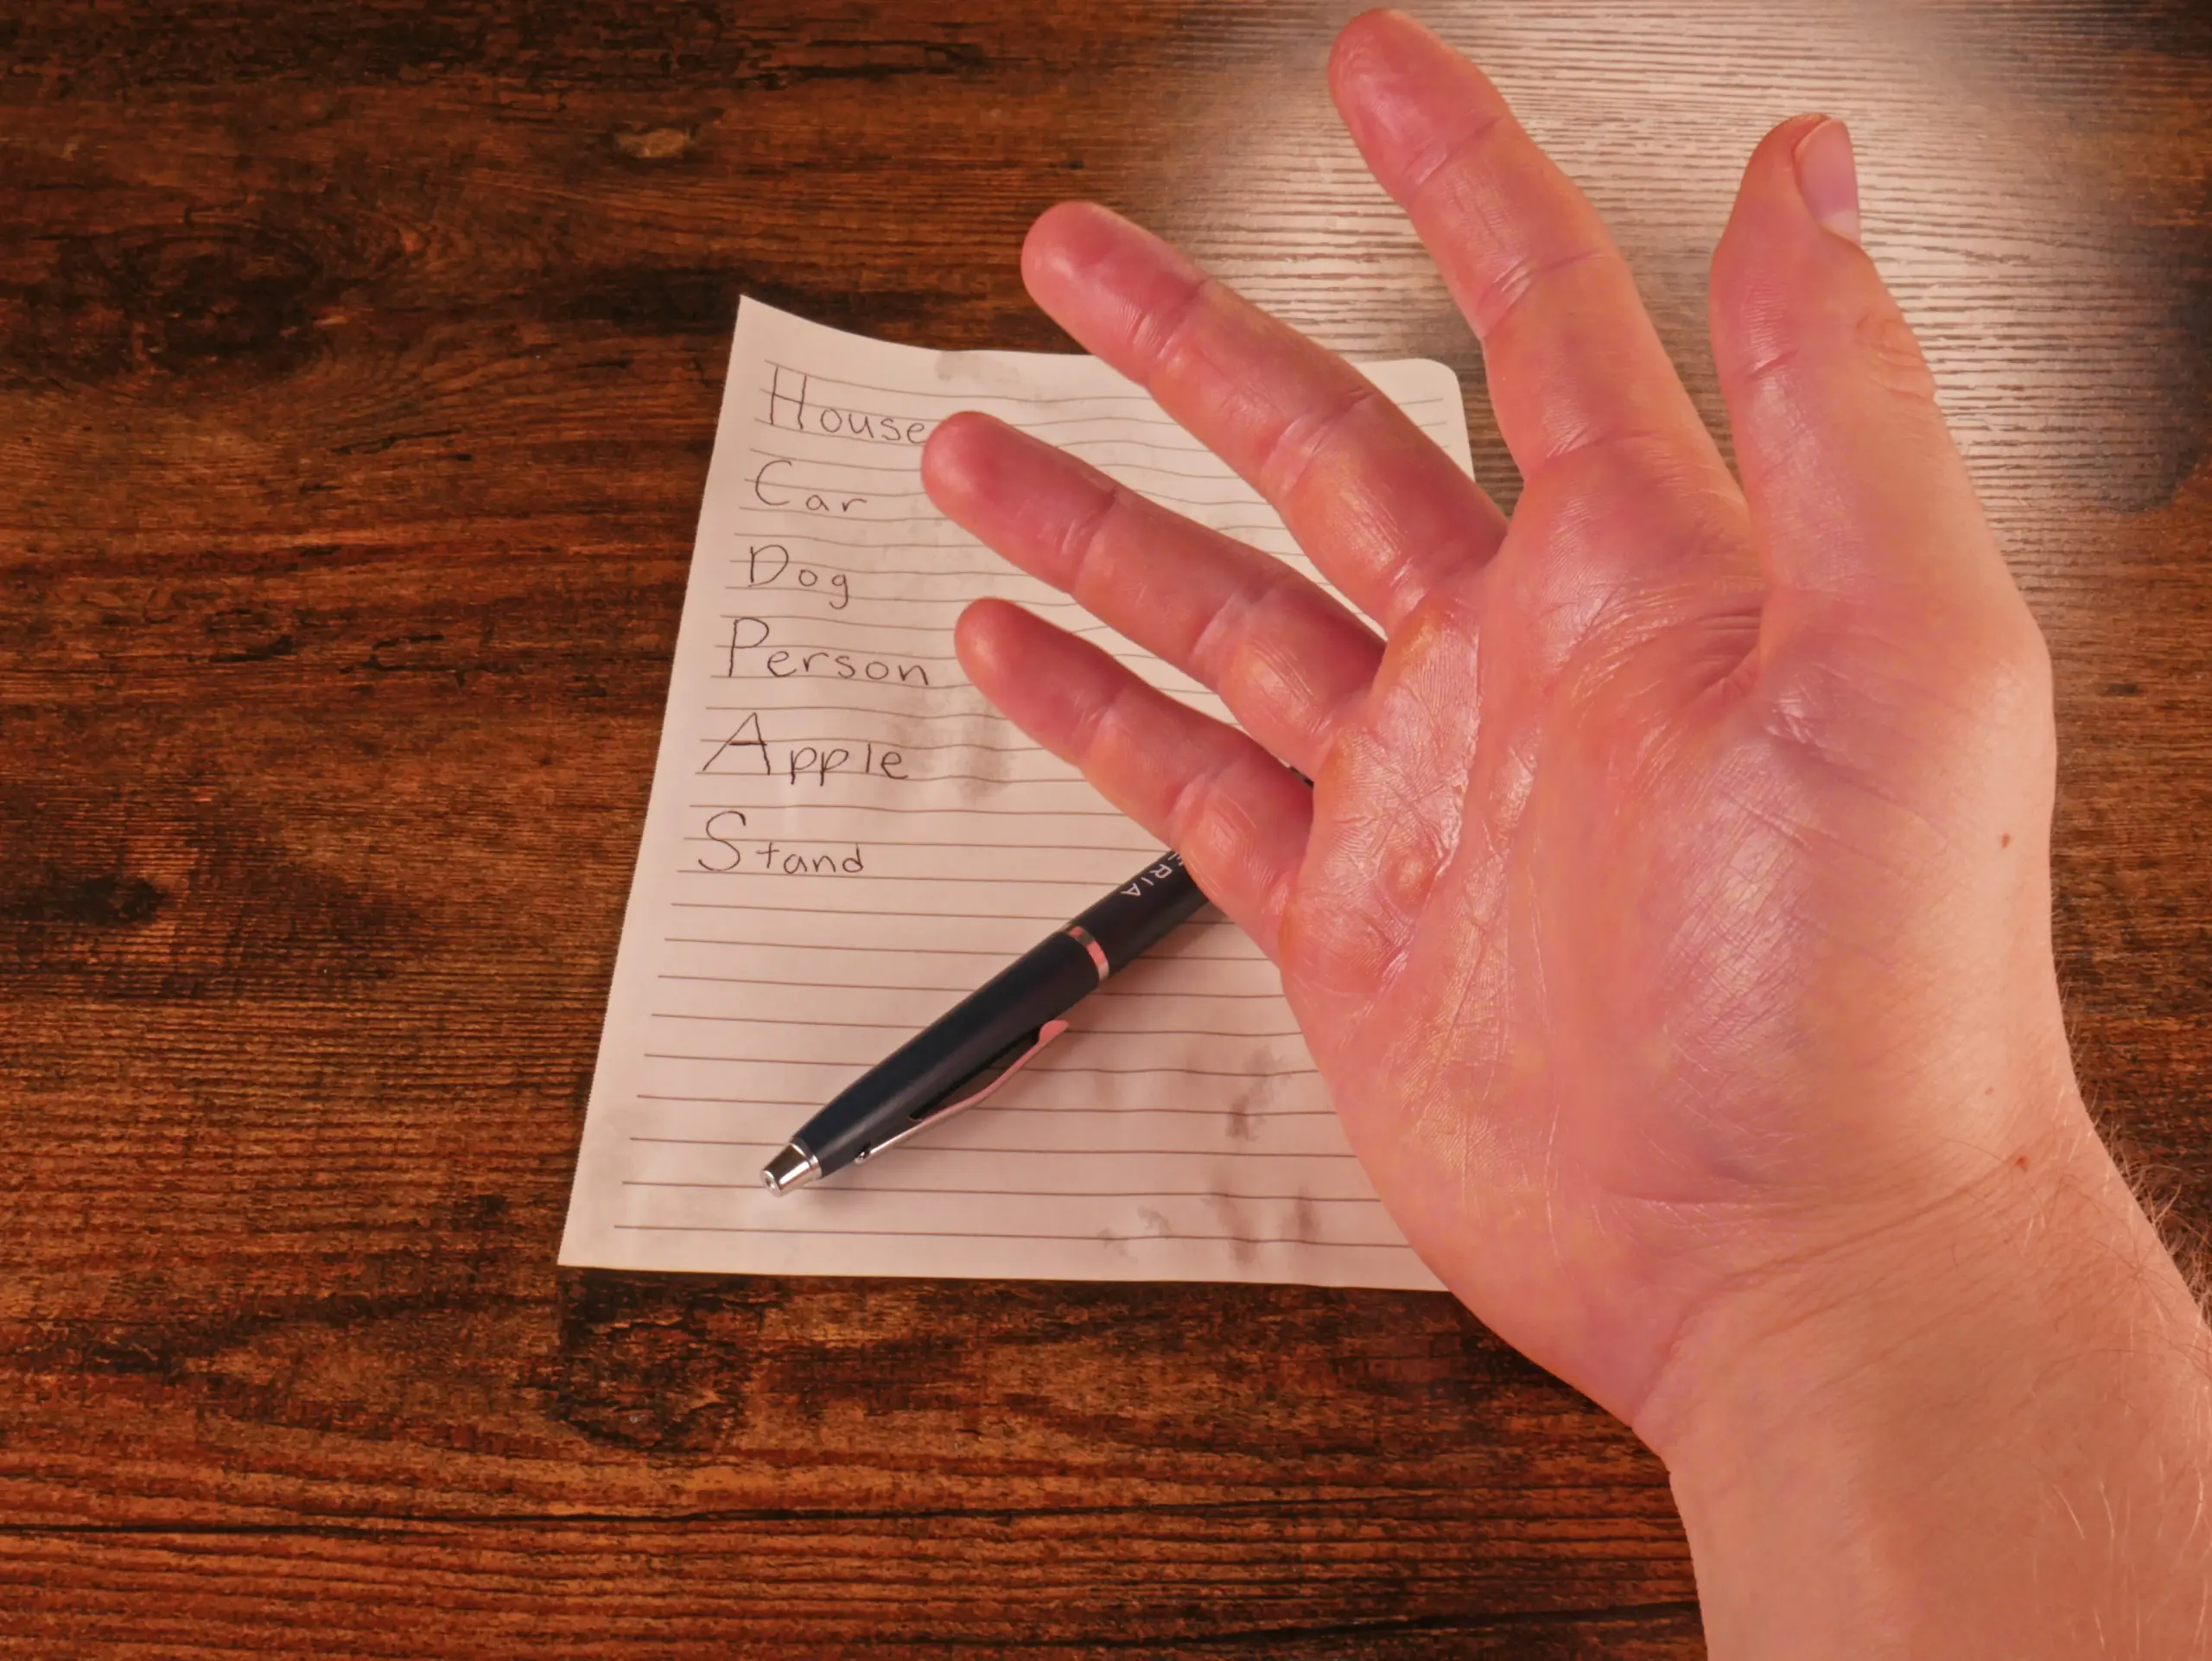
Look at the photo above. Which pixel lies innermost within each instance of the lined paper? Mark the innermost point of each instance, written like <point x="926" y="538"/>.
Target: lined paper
<point x="843" y="839"/>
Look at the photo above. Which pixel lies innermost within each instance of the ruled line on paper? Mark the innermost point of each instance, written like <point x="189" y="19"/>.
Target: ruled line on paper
<point x="1110" y="993"/>
<point x="873" y="914"/>
<point x="1254" y="1155"/>
<point x="1054" y="424"/>
<point x="1039" y="816"/>
<point x="966" y="396"/>
<point x="800" y="482"/>
<point x="1046" y="1194"/>
<point x="934" y="631"/>
<point x="1025" y="1236"/>
<point x="1042" y="1068"/>
<point x="908" y="1026"/>
<point x="894" y="840"/>
<point x="980" y="1114"/>
<point x="1001" y="954"/>
<point x="1136" y="845"/>
<point x="920" y="515"/>
<point x="1089" y="887"/>
<point x="998" y="781"/>
<point x="962" y="547"/>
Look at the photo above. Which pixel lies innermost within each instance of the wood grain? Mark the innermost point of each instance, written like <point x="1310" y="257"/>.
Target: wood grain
<point x="358" y="370"/>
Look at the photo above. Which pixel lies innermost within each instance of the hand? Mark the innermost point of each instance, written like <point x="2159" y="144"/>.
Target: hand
<point x="1670" y="896"/>
<point x="1669" y="914"/>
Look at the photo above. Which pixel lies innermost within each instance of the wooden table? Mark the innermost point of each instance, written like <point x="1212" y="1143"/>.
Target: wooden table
<point x="361" y="363"/>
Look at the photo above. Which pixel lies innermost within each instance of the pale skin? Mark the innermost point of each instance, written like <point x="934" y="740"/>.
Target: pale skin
<point x="1670" y="911"/>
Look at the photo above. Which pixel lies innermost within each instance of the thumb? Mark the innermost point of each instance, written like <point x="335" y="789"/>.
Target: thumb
<point x="1867" y="524"/>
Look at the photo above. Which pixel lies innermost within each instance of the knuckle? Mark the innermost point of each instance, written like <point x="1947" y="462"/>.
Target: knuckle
<point x="1877" y="341"/>
<point x="1304" y="439"/>
<point x="2006" y="669"/>
<point x="1162" y="335"/>
<point x="1770" y="356"/>
<point x="1892" y="355"/>
<point x="1232" y="624"/>
<point x="1098" y="724"/>
<point x="1522" y="277"/>
<point x="1083" y="538"/>
<point x="1455" y="158"/>
<point x="1188" y="806"/>
<point x="1623" y="463"/>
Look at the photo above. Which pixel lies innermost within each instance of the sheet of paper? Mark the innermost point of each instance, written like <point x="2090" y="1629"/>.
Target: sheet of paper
<point x="844" y="838"/>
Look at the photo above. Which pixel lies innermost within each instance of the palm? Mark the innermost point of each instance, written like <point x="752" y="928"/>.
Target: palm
<point x="1575" y="939"/>
<point x="1638" y="817"/>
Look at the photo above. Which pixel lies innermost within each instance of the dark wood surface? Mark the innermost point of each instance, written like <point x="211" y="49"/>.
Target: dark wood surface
<point x="358" y="370"/>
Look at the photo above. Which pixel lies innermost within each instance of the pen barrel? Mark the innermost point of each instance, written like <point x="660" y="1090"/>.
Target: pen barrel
<point x="1138" y="915"/>
<point x="911" y="1082"/>
<point x="1001" y="1020"/>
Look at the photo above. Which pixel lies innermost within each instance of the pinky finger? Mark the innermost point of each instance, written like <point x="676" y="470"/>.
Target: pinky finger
<point x="1236" y="815"/>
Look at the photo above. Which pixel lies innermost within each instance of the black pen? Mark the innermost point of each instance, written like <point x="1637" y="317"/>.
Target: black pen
<point x="983" y="1040"/>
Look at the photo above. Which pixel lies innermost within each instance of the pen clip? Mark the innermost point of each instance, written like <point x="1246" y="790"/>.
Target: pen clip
<point x="991" y="1080"/>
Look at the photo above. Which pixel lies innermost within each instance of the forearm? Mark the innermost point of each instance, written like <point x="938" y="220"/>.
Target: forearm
<point x="1990" y="1438"/>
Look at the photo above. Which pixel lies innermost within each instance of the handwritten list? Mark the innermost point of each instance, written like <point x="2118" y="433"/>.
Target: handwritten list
<point x="843" y="839"/>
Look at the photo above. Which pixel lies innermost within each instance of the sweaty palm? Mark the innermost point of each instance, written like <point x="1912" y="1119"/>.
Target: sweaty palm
<point x="1658" y="839"/>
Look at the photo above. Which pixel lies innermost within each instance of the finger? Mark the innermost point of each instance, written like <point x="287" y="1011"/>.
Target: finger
<point x="1237" y="816"/>
<point x="1858" y="496"/>
<point x="1289" y="660"/>
<point x="1571" y="357"/>
<point x="1384" y="513"/>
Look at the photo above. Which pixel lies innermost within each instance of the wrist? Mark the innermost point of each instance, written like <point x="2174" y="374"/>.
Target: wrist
<point x="1982" y="1430"/>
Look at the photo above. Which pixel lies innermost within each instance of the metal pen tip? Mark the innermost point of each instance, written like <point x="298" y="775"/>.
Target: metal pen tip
<point x="793" y="1167"/>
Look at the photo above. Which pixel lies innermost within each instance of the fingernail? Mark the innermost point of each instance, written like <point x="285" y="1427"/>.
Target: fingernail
<point x="1827" y="178"/>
